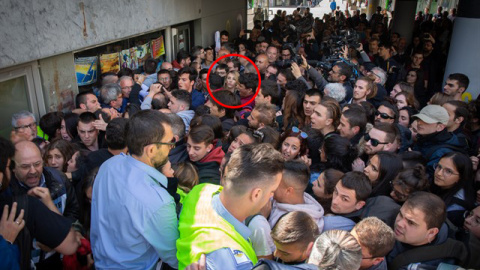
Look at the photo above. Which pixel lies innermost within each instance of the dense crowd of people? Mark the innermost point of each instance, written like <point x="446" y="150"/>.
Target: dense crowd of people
<point x="346" y="151"/>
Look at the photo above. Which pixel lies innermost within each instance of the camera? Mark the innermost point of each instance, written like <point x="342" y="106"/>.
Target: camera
<point x="287" y="63"/>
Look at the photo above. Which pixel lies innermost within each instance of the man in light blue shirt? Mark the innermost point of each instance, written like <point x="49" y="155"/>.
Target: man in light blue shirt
<point x="134" y="222"/>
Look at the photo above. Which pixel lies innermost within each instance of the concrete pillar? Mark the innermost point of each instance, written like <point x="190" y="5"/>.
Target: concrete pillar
<point x="372" y="8"/>
<point x="463" y="56"/>
<point x="404" y="18"/>
<point x="168" y="44"/>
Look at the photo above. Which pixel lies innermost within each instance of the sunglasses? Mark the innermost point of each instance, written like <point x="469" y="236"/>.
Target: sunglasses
<point x="302" y="134"/>
<point x="373" y="142"/>
<point x="384" y="115"/>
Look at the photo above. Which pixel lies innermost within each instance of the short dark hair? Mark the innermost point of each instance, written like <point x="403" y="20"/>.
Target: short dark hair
<point x="269" y="89"/>
<point x="358" y="182"/>
<point x="192" y="73"/>
<point x="228" y="98"/>
<point x="249" y="80"/>
<point x="224" y="33"/>
<point x="50" y="123"/>
<point x="462" y="79"/>
<point x="390" y="129"/>
<point x="81" y="98"/>
<point x="144" y="128"/>
<point x="431" y="205"/>
<point x="252" y="165"/>
<point x="296" y="85"/>
<point x="297" y="173"/>
<point x="209" y="120"/>
<point x="314" y="92"/>
<point x="87" y="117"/>
<point x="201" y="134"/>
<point x="150" y="66"/>
<point x="344" y="69"/>
<point x="222" y="66"/>
<point x="216" y="81"/>
<point x="7" y="151"/>
<point x="461" y="110"/>
<point x="340" y="153"/>
<point x="164" y="71"/>
<point x="115" y="133"/>
<point x="356" y="118"/>
<point x="181" y="55"/>
<point x="183" y="96"/>
<point x="392" y="108"/>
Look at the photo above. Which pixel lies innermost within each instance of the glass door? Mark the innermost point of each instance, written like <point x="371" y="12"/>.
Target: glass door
<point x="181" y="38"/>
<point x="19" y="90"/>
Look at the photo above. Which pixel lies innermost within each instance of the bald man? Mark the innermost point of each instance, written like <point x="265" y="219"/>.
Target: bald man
<point x="262" y="63"/>
<point x="167" y="66"/>
<point x="221" y="53"/>
<point x="30" y="176"/>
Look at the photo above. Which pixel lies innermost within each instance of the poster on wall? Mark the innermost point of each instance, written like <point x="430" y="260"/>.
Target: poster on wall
<point x="128" y="59"/>
<point x="86" y="70"/>
<point x="109" y="63"/>
<point x="158" y="47"/>
<point x="143" y="53"/>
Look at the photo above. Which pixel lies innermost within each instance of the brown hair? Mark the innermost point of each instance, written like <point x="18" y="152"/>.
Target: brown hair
<point x="296" y="227"/>
<point x="333" y="108"/>
<point x="64" y="147"/>
<point x="202" y="134"/>
<point x="375" y="235"/>
<point x="187" y="176"/>
<point x="370" y="86"/>
<point x="410" y="98"/>
<point x="431" y="205"/>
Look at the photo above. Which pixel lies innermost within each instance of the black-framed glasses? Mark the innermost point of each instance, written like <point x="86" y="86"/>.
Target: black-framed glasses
<point x="446" y="171"/>
<point x="302" y="133"/>
<point x="384" y="115"/>
<point x="172" y="143"/>
<point x="30" y="126"/>
<point x="373" y="142"/>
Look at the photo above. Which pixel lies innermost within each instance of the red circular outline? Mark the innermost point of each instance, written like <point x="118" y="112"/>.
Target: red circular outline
<point x="241" y="105"/>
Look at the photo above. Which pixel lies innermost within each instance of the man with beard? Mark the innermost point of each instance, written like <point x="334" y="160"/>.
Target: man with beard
<point x="134" y="221"/>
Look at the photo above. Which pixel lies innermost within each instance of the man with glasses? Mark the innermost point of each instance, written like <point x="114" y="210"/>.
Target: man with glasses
<point x="388" y="113"/>
<point x="47" y="184"/>
<point x="24" y="126"/>
<point x="433" y="138"/>
<point x="164" y="78"/>
<point x="382" y="137"/>
<point x="134" y="221"/>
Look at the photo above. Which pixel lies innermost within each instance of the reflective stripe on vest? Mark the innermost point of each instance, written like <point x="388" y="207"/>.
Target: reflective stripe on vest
<point x="203" y="231"/>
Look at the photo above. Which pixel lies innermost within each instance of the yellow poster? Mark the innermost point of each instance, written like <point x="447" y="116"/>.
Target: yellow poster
<point x="109" y="63"/>
<point x="158" y="47"/>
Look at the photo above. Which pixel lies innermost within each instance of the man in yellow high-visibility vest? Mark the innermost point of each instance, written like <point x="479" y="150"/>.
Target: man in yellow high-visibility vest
<point x="212" y="218"/>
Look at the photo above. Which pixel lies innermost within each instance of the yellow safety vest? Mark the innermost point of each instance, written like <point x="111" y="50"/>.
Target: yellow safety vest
<point x="203" y="231"/>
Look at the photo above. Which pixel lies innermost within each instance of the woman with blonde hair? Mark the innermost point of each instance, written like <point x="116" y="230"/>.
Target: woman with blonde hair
<point x="336" y="249"/>
<point x="231" y="81"/>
